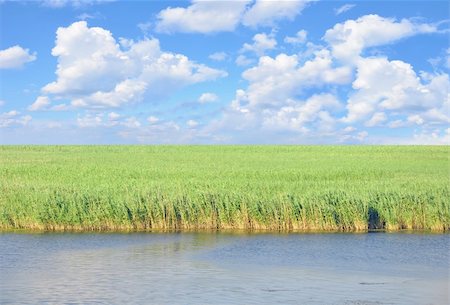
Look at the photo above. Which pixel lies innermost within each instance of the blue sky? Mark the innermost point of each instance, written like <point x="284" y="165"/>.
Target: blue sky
<point x="222" y="72"/>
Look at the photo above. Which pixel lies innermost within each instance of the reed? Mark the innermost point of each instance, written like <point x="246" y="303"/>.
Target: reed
<point x="277" y="188"/>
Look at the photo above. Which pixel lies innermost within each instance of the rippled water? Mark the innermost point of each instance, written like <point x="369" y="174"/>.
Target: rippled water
<point x="210" y="268"/>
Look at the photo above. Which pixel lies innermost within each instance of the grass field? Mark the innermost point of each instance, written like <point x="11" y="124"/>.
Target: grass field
<point x="279" y="188"/>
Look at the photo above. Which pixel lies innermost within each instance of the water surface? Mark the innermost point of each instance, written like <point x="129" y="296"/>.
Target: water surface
<point x="221" y="268"/>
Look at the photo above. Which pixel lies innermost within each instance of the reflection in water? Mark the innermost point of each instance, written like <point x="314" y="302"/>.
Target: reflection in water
<point x="193" y="268"/>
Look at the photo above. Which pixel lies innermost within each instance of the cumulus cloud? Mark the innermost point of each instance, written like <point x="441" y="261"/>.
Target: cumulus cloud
<point x="95" y="71"/>
<point x="281" y="95"/>
<point x="217" y="16"/>
<point x="273" y="100"/>
<point x="348" y="39"/>
<point x="415" y="119"/>
<point x="90" y="120"/>
<point x="275" y="80"/>
<point x="113" y="116"/>
<point x="376" y="119"/>
<point x="152" y="119"/>
<point x="207" y="97"/>
<point x="112" y="119"/>
<point x="296" y="115"/>
<point x="268" y="12"/>
<point x="295" y="121"/>
<point x="261" y="43"/>
<point x="161" y="132"/>
<point x="299" y="38"/>
<point x="131" y="122"/>
<point x="383" y="85"/>
<point x="15" y="57"/>
<point x="202" y="17"/>
<point x="243" y="60"/>
<point x="192" y="123"/>
<point x="13" y="118"/>
<point x="433" y="137"/>
<point x="41" y="103"/>
<point x="351" y="135"/>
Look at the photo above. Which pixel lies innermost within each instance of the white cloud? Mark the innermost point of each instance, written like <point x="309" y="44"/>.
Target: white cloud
<point x="113" y="116"/>
<point x="243" y="60"/>
<point x="218" y="56"/>
<point x="383" y="85"/>
<point x="123" y="92"/>
<point x="163" y="132"/>
<point x="152" y="119"/>
<point x="274" y="99"/>
<point x="207" y="97"/>
<point x="217" y="16"/>
<point x="349" y="129"/>
<point x="295" y="115"/>
<point x="90" y="120"/>
<point x="268" y="12"/>
<point x="192" y="123"/>
<point x="86" y="16"/>
<point x="15" y="57"/>
<point x="415" y="119"/>
<point x="275" y="103"/>
<point x="145" y="27"/>
<point x="41" y="103"/>
<point x="396" y="124"/>
<point x="94" y="71"/>
<point x="74" y="3"/>
<point x="299" y="38"/>
<point x="441" y="62"/>
<point x="348" y="39"/>
<point x="275" y="80"/>
<point x="10" y="114"/>
<point x="309" y="120"/>
<point x="12" y="118"/>
<point x="362" y="135"/>
<point x="131" y="122"/>
<point x="434" y="137"/>
<point x="349" y="135"/>
<point x="261" y="43"/>
<point x="271" y="102"/>
<point x="377" y="119"/>
<point x="344" y="8"/>
<point x="61" y="107"/>
<point x="202" y="17"/>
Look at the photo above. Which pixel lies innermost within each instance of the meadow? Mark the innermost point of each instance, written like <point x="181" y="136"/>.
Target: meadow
<point x="276" y="188"/>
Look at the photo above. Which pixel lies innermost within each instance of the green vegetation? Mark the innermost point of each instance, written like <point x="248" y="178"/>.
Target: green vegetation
<point x="331" y="188"/>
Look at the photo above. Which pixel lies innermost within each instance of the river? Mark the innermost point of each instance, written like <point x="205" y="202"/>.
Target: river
<point x="224" y="268"/>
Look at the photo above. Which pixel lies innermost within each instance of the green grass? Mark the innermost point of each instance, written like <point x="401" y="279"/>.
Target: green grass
<point x="280" y="188"/>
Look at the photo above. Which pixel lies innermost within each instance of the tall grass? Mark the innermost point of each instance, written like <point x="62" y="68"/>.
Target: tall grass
<point x="283" y="188"/>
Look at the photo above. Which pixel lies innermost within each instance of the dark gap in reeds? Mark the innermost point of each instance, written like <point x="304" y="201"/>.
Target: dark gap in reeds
<point x="374" y="220"/>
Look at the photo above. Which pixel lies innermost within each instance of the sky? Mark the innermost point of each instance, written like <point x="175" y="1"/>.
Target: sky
<point x="224" y="72"/>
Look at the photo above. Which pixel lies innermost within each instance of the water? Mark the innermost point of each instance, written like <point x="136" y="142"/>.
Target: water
<point x="210" y="268"/>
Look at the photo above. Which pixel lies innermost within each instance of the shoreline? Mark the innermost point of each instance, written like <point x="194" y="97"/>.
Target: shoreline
<point x="215" y="231"/>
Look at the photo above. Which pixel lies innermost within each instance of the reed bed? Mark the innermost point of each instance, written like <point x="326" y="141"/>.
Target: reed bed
<point x="276" y="188"/>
